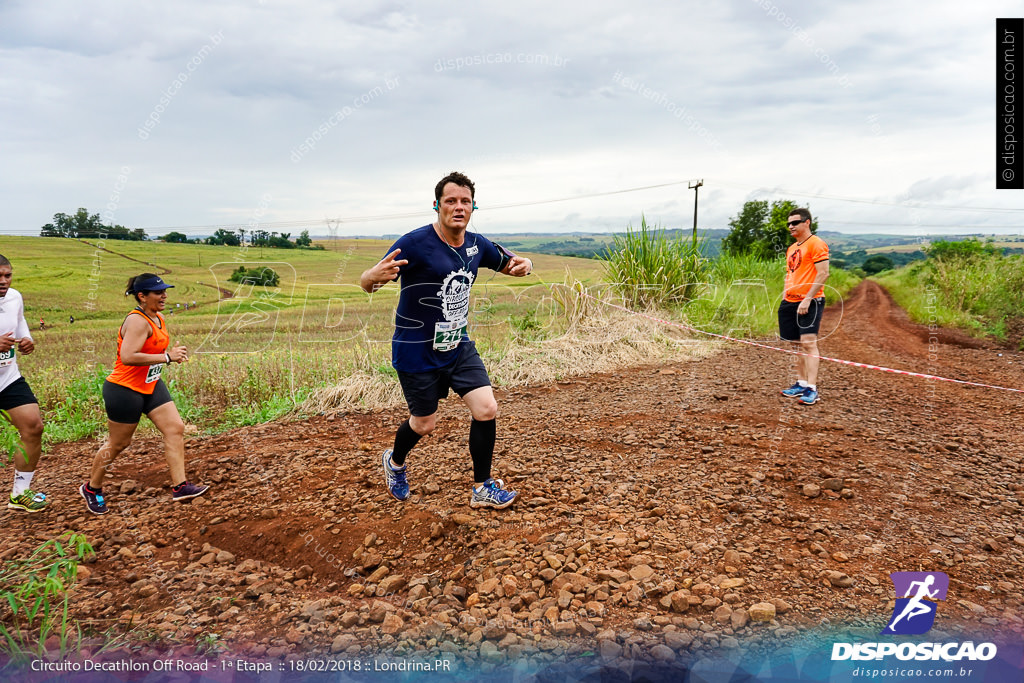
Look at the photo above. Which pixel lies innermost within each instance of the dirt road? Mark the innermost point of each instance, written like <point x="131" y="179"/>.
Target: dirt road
<point x="661" y="508"/>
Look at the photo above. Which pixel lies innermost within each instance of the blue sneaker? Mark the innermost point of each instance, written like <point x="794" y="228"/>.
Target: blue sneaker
<point x="809" y="397"/>
<point x="394" y="479"/>
<point x="794" y="391"/>
<point x="492" y="495"/>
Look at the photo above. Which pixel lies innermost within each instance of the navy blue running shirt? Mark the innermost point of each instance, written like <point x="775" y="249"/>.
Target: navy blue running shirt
<point x="433" y="304"/>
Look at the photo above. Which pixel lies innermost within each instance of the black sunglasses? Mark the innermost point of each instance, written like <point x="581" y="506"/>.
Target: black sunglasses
<point x="792" y="223"/>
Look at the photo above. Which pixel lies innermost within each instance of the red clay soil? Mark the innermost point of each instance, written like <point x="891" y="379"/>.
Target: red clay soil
<point x="660" y="507"/>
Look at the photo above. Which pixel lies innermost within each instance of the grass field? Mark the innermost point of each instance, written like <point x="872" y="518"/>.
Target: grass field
<point x="255" y="354"/>
<point x="742" y="296"/>
<point x="318" y="341"/>
<point x="1013" y="243"/>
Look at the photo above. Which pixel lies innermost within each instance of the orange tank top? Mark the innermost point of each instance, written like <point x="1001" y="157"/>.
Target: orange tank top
<point x="142" y="378"/>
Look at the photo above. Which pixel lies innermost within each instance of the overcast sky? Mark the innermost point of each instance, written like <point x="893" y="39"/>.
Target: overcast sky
<point x="186" y="115"/>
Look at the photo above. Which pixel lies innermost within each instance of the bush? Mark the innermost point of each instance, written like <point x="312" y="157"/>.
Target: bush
<point x="263" y="277"/>
<point x="965" y="287"/>
<point x="650" y="269"/>
<point x="944" y="251"/>
<point x="877" y="263"/>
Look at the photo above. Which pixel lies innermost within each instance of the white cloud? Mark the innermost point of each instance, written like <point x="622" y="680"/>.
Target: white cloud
<point x="522" y="97"/>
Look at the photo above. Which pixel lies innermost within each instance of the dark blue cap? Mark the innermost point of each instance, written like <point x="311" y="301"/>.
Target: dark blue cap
<point x="150" y="284"/>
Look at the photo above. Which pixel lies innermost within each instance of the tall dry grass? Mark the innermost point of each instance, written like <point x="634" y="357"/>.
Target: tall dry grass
<point x="583" y="335"/>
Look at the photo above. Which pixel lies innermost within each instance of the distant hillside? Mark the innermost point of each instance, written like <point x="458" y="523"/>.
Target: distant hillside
<point x="593" y="245"/>
<point x="848" y="251"/>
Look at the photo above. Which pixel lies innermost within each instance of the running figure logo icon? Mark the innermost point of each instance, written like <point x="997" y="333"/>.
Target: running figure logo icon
<point x="914" y="613"/>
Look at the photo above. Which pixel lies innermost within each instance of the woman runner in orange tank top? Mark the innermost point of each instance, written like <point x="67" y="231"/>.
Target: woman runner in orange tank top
<point x="135" y="387"/>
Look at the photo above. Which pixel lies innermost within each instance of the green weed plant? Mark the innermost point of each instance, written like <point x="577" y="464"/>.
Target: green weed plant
<point x="652" y="270"/>
<point x="34" y="593"/>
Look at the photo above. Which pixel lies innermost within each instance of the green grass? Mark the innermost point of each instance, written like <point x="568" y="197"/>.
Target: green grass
<point x="979" y="294"/>
<point x="742" y="293"/>
<point x="650" y="269"/>
<point x="34" y="594"/>
<point x="253" y="356"/>
<point x="737" y="296"/>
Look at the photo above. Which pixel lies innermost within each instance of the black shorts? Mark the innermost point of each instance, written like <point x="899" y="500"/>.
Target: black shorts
<point x="127" y="406"/>
<point x="17" y="393"/>
<point x="791" y="325"/>
<point x="424" y="389"/>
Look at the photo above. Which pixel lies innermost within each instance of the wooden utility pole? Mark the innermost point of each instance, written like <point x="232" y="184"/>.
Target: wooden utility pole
<point x="695" y="185"/>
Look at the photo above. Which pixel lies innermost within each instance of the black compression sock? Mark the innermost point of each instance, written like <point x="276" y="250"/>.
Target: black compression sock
<point x="405" y="440"/>
<point x="482" y="435"/>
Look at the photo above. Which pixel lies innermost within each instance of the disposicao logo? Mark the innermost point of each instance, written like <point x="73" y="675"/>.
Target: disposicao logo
<point x="914" y="613"/>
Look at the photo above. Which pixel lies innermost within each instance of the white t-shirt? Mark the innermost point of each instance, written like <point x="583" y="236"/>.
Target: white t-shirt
<point x="12" y="319"/>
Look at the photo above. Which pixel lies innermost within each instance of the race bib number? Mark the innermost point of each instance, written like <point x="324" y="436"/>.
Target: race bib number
<point x="154" y="373"/>
<point x="6" y="357"/>
<point x="448" y="334"/>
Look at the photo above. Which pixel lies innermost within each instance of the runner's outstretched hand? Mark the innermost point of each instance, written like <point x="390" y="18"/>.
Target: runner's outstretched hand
<point x="384" y="271"/>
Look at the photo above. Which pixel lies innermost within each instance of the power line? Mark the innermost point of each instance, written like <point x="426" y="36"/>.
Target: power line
<point x="908" y="204"/>
<point x="319" y="222"/>
<point x="394" y="216"/>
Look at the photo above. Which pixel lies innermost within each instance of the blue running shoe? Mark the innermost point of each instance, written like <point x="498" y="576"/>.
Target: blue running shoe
<point x="492" y="495"/>
<point x="794" y="391"/>
<point x="809" y="397"/>
<point x="394" y="479"/>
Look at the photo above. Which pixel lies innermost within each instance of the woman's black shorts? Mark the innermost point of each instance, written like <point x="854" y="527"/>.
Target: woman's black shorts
<point x="127" y="406"/>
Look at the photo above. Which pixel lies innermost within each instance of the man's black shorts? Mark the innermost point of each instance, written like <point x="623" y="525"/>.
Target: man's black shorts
<point x="791" y="326"/>
<point x="17" y="393"/>
<point x="127" y="406"/>
<point x="424" y="389"/>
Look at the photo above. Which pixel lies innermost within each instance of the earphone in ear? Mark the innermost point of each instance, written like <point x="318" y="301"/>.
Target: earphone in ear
<point x="474" y="205"/>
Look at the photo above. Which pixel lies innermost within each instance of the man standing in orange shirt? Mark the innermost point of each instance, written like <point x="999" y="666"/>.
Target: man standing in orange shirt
<point x="803" y="302"/>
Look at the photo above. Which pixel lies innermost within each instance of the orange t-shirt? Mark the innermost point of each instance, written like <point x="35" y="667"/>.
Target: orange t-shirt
<point x="800" y="270"/>
<point x="142" y="378"/>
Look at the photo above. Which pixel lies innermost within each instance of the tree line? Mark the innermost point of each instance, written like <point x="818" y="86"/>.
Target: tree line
<point x="760" y="230"/>
<point x="257" y="238"/>
<point x="82" y="224"/>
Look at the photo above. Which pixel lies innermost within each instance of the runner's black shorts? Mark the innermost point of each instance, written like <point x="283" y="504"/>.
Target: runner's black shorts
<point x="17" y="393"/>
<point x="791" y="325"/>
<point x="423" y="390"/>
<point x="127" y="406"/>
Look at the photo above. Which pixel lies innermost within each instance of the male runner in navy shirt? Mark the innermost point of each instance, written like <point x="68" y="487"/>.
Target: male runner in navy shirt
<point x="430" y="348"/>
